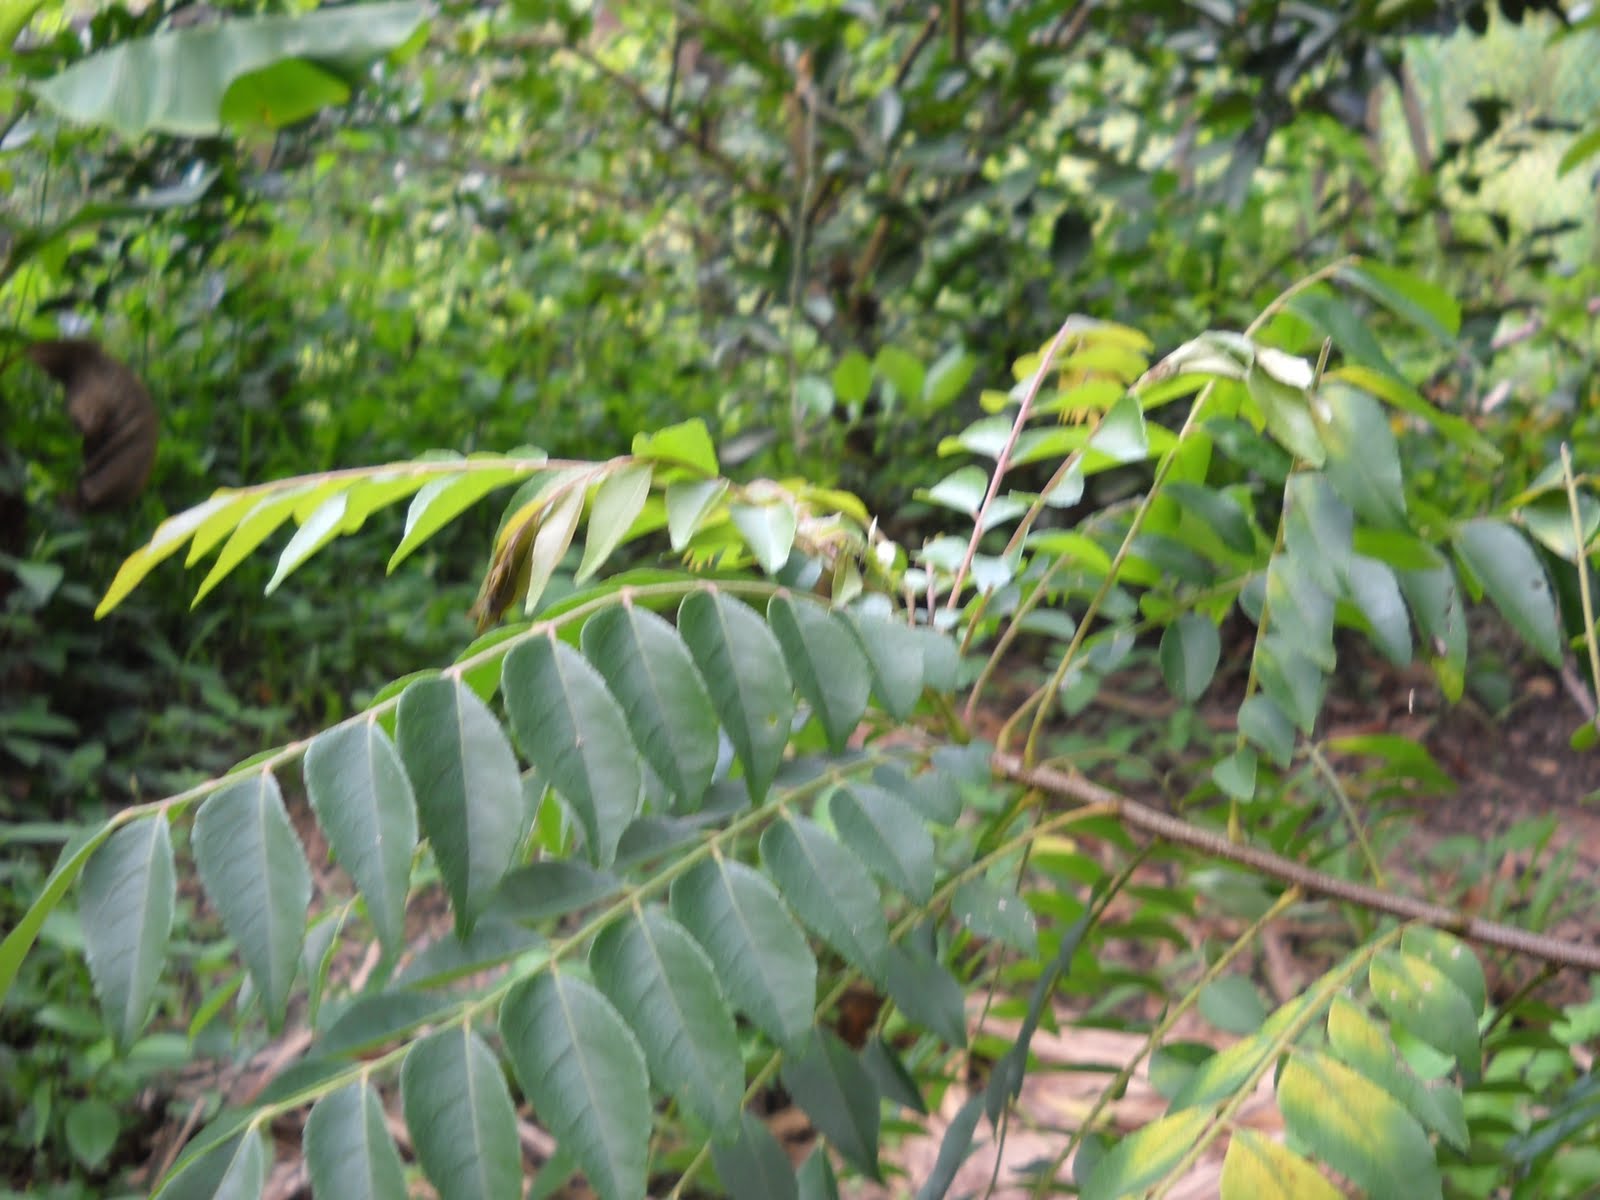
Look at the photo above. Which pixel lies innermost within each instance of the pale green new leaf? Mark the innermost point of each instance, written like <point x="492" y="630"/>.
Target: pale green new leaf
<point x="256" y="877"/>
<point x="617" y="503"/>
<point x="467" y="786"/>
<point x="830" y="890"/>
<point x="826" y="662"/>
<point x="664" y="987"/>
<point x="761" y="956"/>
<point x="1357" y="1128"/>
<point x="170" y="536"/>
<point x="320" y="528"/>
<point x="361" y="795"/>
<point x="889" y="835"/>
<point x="441" y="500"/>
<point x="1144" y="1157"/>
<point x="348" y="1151"/>
<point x="743" y="668"/>
<point x="668" y="709"/>
<point x="830" y="1084"/>
<point x="574" y="731"/>
<point x="1503" y="562"/>
<point x="556" y="530"/>
<point x="129" y="890"/>
<point x="459" y="1112"/>
<point x="1120" y="435"/>
<point x="687" y="444"/>
<point x="1258" y="1168"/>
<point x="1190" y="648"/>
<point x="687" y="506"/>
<point x="579" y="1064"/>
<point x="269" y="512"/>
<point x="768" y="529"/>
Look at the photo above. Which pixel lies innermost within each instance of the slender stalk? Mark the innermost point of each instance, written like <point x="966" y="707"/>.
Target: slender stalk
<point x="1581" y="557"/>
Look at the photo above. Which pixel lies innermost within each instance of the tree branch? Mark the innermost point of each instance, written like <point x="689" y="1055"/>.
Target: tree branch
<point x="1072" y="786"/>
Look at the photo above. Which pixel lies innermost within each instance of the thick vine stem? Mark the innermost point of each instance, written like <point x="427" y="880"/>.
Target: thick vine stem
<point x="1073" y="786"/>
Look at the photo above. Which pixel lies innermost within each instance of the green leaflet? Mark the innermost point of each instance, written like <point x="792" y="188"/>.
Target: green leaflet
<point x="256" y="877"/>
<point x="129" y="891"/>
<point x="578" y="1062"/>
<point x="459" y="1112"/>
<point x="467" y="786"/>
<point x="574" y="731"/>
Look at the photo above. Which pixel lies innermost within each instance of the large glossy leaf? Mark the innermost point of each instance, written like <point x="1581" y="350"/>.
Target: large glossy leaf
<point x="830" y="1084"/>
<point x="348" y="1150"/>
<point x="574" y="731"/>
<point x="174" y="82"/>
<point x="617" y="502"/>
<point x="1505" y="564"/>
<point x="459" y="1112"/>
<point x="467" y="786"/>
<point x="579" y="1064"/>
<point x="256" y="877"/>
<point x="743" y="668"/>
<point x="826" y="662"/>
<point x="665" y="988"/>
<point x="129" y="889"/>
<point x="1357" y="1128"/>
<point x="663" y="697"/>
<point x="362" y="797"/>
<point x="889" y="835"/>
<point x="830" y="890"/>
<point x="761" y="956"/>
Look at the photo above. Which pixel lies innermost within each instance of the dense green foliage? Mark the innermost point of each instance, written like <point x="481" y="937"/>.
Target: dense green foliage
<point x="771" y="705"/>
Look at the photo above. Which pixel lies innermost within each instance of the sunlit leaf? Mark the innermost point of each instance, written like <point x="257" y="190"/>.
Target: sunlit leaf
<point x="1258" y="1168"/>
<point x="617" y="503"/>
